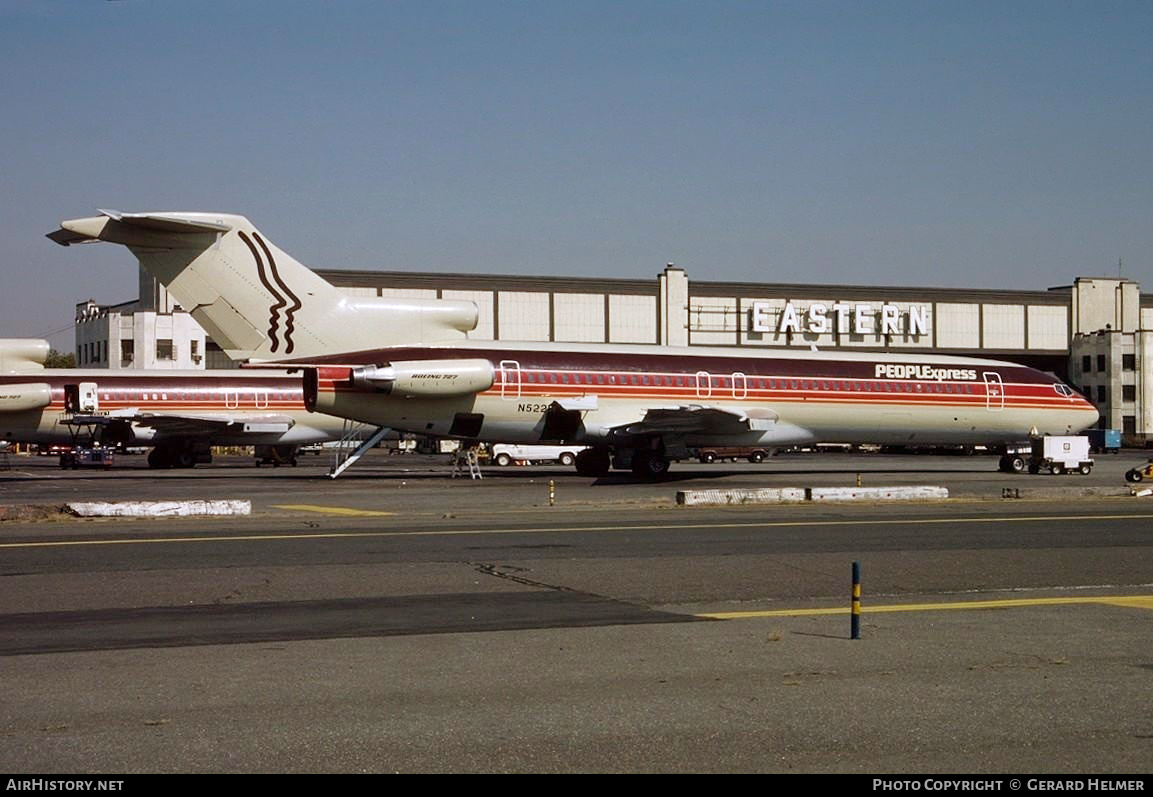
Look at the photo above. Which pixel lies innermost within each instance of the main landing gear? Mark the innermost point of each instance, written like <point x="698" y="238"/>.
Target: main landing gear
<point x="179" y="454"/>
<point x="644" y="463"/>
<point x="593" y="462"/>
<point x="650" y="464"/>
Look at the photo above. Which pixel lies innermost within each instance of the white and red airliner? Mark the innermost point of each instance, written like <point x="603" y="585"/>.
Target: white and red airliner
<point x="408" y="364"/>
<point x="180" y="414"/>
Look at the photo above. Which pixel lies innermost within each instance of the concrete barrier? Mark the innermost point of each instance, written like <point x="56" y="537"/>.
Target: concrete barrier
<point x="784" y="495"/>
<point x="159" y="508"/>
<point x="905" y="493"/>
<point x="776" y="495"/>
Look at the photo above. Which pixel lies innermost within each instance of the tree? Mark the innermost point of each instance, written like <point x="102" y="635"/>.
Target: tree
<point x="58" y="359"/>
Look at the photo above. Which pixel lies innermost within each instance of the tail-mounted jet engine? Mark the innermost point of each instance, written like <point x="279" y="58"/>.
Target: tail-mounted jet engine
<point x="27" y="396"/>
<point x="405" y="379"/>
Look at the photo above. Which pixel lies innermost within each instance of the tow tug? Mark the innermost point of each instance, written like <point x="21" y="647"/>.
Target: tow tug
<point x="1140" y="473"/>
<point x="85" y="453"/>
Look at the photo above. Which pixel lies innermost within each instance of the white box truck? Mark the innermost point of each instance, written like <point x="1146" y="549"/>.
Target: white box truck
<point x="1061" y="454"/>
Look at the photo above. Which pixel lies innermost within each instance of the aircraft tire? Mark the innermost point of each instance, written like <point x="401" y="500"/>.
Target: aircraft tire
<point x="593" y="462"/>
<point x="650" y="464"/>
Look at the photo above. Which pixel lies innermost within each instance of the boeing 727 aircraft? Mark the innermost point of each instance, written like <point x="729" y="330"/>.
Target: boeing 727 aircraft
<point x="179" y="413"/>
<point x="408" y="364"/>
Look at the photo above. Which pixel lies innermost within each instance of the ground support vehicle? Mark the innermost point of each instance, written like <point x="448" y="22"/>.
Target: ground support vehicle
<point x="1140" y="473"/>
<point x="714" y="453"/>
<point x="1104" y="441"/>
<point x="505" y="454"/>
<point x="1061" y="454"/>
<point x="1051" y="454"/>
<point x="1016" y="458"/>
<point x="275" y="455"/>
<point x="86" y="457"/>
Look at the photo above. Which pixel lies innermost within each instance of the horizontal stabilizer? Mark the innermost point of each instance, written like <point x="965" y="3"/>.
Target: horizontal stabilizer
<point x="97" y="228"/>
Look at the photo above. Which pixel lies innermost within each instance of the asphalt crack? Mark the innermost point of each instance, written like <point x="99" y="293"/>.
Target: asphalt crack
<point x="510" y="573"/>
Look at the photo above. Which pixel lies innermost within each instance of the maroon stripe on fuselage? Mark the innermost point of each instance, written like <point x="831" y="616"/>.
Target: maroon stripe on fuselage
<point x="820" y="367"/>
<point x="245" y="390"/>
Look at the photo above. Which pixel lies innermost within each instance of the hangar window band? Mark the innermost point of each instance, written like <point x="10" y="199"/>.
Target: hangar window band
<point x="714" y="319"/>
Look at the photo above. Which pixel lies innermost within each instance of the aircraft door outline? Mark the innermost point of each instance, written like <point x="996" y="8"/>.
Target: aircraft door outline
<point x="740" y="385"/>
<point x="704" y="384"/>
<point x="81" y="398"/>
<point x="510" y="380"/>
<point x="994" y="391"/>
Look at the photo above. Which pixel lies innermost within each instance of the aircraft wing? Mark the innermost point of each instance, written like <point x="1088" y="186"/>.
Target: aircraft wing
<point x="701" y="419"/>
<point x="208" y="424"/>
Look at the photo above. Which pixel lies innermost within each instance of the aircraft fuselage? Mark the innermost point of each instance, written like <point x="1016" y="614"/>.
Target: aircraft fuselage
<point x="609" y="395"/>
<point x="242" y="407"/>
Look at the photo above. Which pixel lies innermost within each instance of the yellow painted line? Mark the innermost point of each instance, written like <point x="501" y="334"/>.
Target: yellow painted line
<point x="214" y="538"/>
<point x="1128" y="601"/>
<point x="569" y="529"/>
<point x="334" y="510"/>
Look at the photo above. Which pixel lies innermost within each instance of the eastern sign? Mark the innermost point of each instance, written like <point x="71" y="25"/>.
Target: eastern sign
<point x="841" y="318"/>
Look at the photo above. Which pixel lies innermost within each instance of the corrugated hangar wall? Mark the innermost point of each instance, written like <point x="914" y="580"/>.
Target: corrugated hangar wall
<point x="673" y="310"/>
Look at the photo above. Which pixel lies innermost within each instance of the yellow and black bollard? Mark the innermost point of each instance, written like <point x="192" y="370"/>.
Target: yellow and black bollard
<point x="855" y="626"/>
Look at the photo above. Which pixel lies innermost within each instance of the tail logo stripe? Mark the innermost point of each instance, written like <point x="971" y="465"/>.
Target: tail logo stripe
<point x="274" y="308"/>
<point x="290" y="313"/>
<point x="280" y="291"/>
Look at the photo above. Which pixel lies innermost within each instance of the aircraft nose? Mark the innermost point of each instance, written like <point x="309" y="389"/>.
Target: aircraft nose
<point x="1089" y="414"/>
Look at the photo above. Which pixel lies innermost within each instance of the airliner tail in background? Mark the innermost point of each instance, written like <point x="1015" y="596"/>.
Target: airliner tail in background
<point x="253" y="299"/>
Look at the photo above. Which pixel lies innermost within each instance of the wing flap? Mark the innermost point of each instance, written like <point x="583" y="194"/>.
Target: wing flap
<point x="702" y="419"/>
<point x="209" y="424"/>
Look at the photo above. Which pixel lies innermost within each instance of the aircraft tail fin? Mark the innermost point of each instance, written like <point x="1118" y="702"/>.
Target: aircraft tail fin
<point x="255" y="300"/>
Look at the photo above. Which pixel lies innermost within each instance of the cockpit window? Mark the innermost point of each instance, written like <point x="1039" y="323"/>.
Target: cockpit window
<point x="1063" y="390"/>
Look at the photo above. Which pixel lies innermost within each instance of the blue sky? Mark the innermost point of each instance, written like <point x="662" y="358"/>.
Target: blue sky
<point x="959" y="144"/>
